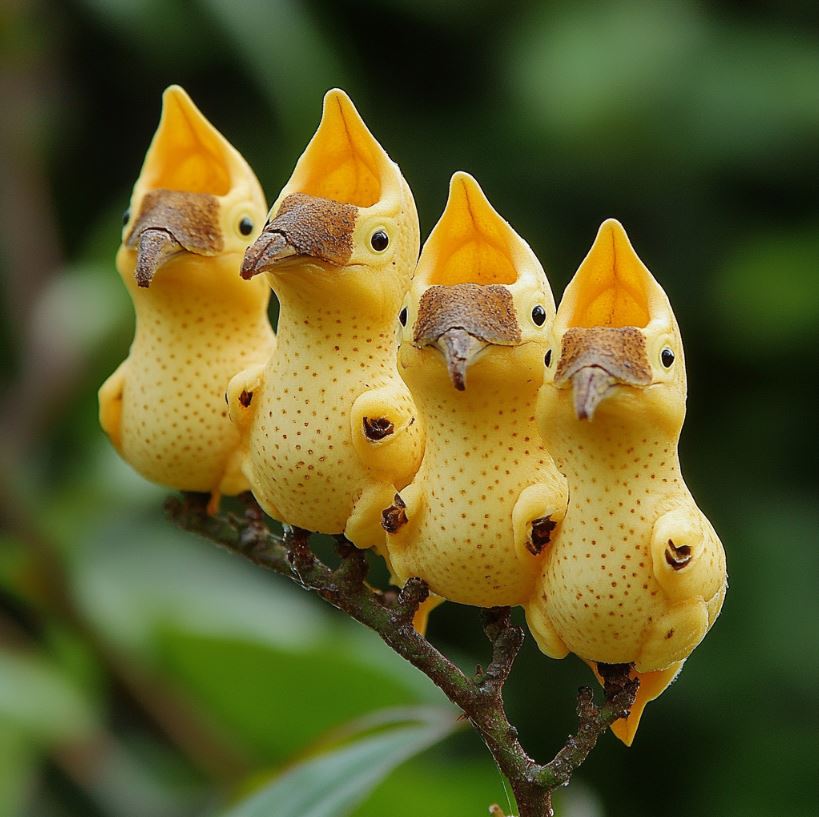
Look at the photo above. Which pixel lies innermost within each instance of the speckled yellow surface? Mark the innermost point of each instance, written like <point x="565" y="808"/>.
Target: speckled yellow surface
<point x="198" y="322"/>
<point x="485" y="475"/>
<point x="635" y="572"/>
<point x="309" y="460"/>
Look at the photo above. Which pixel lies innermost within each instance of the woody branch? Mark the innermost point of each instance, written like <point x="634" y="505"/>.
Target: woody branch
<point x="480" y="696"/>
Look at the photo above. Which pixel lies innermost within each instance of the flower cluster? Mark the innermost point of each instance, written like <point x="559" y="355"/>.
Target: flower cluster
<point x="440" y="409"/>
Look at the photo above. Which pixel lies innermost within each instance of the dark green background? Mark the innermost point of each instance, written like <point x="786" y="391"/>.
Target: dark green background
<point x="695" y="124"/>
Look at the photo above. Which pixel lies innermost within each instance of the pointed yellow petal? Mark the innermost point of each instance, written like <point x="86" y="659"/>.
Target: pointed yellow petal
<point x="343" y="160"/>
<point x="469" y="215"/>
<point x="652" y="685"/>
<point x="612" y="287"/>
<point x="421" y="618"/>
<point x="187" y="153"/>
<point x="472" y="243"/>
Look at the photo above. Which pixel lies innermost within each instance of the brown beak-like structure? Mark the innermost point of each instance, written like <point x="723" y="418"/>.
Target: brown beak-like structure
<point x="307" y="226"/>
<point x="597" y="360"/>
<point x="463" y="319"/>
<point x="171" y="222"/>
<point x="459" y="349"/>
<point x="268" y="250"/>
<point x="155" y="247"/>
<point x="590" y="385"/>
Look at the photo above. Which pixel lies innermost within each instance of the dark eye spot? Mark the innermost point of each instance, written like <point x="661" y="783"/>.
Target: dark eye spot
<point x="245" y="226"/>
<point x="548" y="359"/>
<point x="667" y="356"/>
<point x="379" y="241"/>
<point x="402" y="316"/>
<point x="126" y="216"/>
<point x="539" y="315"/>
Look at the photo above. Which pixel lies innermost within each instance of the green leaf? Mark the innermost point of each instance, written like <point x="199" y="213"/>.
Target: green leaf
<point x="18" y="764"/>
<point x="279" y="41"/>
<point x="165" y="31"/>
<point x="278" y="700"/>
<point x="765" y="294"/>
<point x="581" y="70"/>
<point x="37" y="701"/>
<point x="332" y="784"/>
<point x="440" y="782"/>
<point x="80" y="310"/>
<point x="242" y="644"/>
<point x="127" y="580"/>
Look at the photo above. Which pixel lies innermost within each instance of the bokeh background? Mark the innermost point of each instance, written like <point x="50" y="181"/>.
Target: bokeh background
<point x="145" y="673"/>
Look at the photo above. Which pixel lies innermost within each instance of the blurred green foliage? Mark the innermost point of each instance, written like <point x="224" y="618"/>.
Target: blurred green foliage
<point x="145" y="673"/>
<point x="336" y="781"/>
